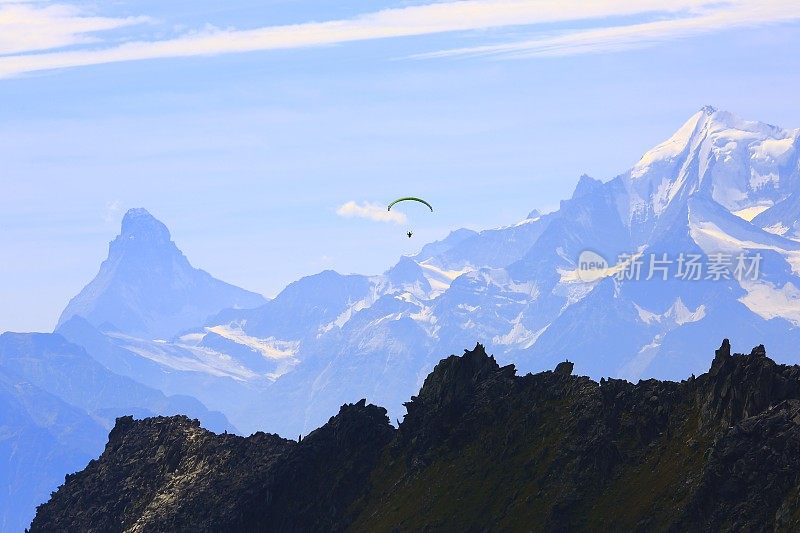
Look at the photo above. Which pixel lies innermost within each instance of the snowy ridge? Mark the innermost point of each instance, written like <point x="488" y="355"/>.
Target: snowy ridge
<point x="185" y="357"/>
<point x="270" y="348"/>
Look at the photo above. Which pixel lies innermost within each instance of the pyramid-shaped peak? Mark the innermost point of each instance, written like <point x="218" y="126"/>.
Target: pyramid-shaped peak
<point x="146" y="287"/>
<point x="139" y="223"/>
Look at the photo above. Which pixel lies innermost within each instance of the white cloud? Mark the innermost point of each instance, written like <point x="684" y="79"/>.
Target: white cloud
<point x="33" y="26"/>
<point x="370" y="211"/>
<point x="679" y="18"/>
<point x="113" y="212"/>
<point x="616" y="38"/>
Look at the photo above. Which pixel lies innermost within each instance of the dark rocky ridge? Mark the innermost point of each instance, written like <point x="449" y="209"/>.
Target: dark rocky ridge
<point x="480" y="449"/>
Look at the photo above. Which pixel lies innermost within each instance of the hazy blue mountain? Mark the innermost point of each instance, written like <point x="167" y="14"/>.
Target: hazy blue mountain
<point x="220" y="373"/>
<point x="42" y="438"/>
<point x="491" y="248"/>
<point x="67" y="371"/>
<point x="56" y="405"/>
<point x="146" y="287"/>
<point x="293" y="315"/>
<point x="437" y="248"/>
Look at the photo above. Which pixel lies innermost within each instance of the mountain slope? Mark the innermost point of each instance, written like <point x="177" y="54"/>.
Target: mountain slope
<point x="68" y="372"/>
<point x="41" y="438"/>
<point x="146" y="287"/>
<point x="480" y="448"/>
<point x="782" y="218"/>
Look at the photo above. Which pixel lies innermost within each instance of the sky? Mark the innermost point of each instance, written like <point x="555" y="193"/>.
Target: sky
<point x="267" y="135"/>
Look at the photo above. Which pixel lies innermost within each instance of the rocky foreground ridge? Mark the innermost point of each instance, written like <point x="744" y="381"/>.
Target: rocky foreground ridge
<point x="480" y="449"/>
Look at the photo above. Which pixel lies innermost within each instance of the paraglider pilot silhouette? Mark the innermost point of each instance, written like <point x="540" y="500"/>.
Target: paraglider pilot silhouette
<point x="410" y="199"/>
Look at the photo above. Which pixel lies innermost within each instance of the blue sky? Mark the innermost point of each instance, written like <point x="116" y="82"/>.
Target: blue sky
<point x="244" y="126"/>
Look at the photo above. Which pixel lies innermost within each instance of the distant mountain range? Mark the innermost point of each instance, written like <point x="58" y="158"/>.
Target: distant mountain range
<point x="481" y="449"/>
<point x="720" y="192"/>
<point x="42" y="438"/>
<point x="153" y="335"/>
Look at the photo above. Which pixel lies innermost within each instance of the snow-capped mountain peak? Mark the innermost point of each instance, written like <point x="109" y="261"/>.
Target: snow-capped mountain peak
<point x="745" y="166"/>
<point x="668" y="152"/>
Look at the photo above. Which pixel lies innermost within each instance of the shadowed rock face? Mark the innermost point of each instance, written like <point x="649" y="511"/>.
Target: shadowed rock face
<point x="480" y="448"/>
<point x="168" y="474"/>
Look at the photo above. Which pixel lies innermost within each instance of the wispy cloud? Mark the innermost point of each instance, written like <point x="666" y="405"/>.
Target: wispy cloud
<point x="624" y="37"/>
<point x="34" y="26"/>
<point x="370" y="211"/>
<point x="64" y="26"/>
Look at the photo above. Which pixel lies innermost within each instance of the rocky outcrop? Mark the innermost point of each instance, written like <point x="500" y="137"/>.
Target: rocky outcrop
<point x="740" y="387"/>
<point x="480" y="449"/>
<point x="169" y="474"/>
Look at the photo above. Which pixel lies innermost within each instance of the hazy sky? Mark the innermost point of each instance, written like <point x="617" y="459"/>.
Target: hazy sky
<point x="246" y="125"/>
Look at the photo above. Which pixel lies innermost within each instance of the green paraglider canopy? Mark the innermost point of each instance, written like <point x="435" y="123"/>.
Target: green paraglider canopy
<point x="410" y="199"/>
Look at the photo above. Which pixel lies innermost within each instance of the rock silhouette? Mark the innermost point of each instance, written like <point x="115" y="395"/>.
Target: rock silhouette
<point x="480" y="449"/>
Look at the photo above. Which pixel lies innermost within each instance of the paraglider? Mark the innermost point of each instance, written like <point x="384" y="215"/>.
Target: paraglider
<point x="410" y="199"/>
